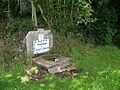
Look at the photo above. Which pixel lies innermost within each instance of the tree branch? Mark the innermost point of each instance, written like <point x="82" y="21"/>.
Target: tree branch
<point x="44" y="16"/>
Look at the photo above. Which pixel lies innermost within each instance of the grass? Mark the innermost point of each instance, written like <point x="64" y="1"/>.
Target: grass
<point x="101" y="65"/>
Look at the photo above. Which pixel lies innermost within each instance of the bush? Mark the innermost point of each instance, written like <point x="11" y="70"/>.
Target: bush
<point x="105" y="28"/>
<point x="6" y="5"/>
<point x="64" y="16"/>
<point x="20" y="24"/>
<point x="116" y="39"/>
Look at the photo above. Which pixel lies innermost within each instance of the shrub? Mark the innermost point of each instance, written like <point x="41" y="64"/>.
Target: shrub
<point x="65" y="15"/>
<point x="116" y="39"/>
<point x="105" y="28"/>
<point x="8" y="5"/>
<point x="20" y="24"/>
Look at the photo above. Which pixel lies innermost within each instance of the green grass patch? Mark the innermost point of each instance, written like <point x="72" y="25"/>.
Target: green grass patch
<point x="102" y="72"/>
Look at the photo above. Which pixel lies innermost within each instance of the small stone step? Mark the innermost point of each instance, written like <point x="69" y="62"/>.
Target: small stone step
<point x="54" y="69"/>
<point x="43" y="63"/>
<point x="50" y="63"/>
<point x="58" y="68"/>
<point x="68" y="68"/>
<point x="54" y="66"/>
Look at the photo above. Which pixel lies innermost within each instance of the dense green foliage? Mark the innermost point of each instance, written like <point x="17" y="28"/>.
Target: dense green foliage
<point x="105" y="28"/>
<point x="62" y="14"/>
<point x="23" y="24"/>
<point x="8" y="8"/>
<point x="95" y="21"/>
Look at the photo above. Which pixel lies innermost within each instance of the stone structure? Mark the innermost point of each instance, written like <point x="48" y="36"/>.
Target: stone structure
<point x="53" y="63"/>
<point x="33" y="35"/>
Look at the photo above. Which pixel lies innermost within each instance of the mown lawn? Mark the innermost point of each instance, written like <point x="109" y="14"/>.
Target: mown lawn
<point x="101" y="72"/>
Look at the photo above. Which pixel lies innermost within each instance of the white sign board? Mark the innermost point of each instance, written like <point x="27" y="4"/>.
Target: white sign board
<point x="40" y="46"/>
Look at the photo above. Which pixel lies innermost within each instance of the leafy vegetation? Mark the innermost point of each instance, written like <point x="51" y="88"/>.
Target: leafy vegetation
<point x="97" y="20"/>
<point x="105" y="27"/>
<point x="78" y="26"/>
<point x="8" y="8"/>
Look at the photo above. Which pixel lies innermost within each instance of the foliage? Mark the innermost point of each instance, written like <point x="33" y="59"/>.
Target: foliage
<point x="91" y="20"/>
<point x="101" y="64"/>
<point x="21" y="24"/>
<point x="105" y="27"/>
<point x="8" y="7"/>
<point x="116" y="39"/>
<point x="64" y="14"/>
<point x="103" y="2"/>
